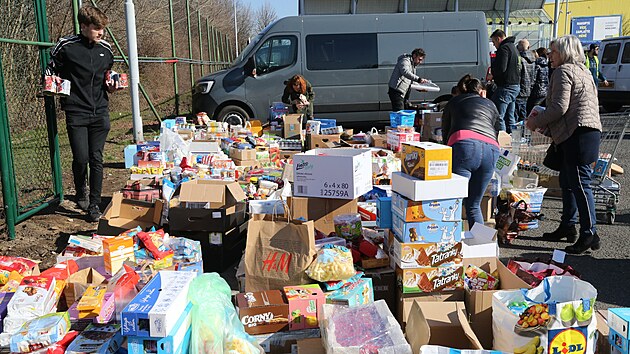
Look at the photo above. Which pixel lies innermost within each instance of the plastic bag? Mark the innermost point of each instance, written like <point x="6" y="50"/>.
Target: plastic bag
<point x="348" y="226"/>
<point x="215" y="325"/>
<point x="154" y="241"/>
<point x="332" y="263"/>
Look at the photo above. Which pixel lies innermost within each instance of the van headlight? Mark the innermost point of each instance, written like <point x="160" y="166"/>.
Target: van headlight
<point x="204" y="87"/>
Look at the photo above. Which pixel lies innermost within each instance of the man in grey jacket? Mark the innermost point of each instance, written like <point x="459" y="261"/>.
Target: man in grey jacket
<point x="403" y="75"/>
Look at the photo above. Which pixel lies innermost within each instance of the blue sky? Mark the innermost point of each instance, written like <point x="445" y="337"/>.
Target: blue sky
<point x="283" y="8"/>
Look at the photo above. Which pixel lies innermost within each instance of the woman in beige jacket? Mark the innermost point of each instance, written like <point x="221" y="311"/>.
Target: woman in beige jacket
<point x="572" y="119"/>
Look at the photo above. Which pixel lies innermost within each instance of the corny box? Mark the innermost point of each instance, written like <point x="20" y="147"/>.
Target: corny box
<point x="415" y="255"/>
<point x="427" y="161"/>
<point x="263" y="312"/>
<point x="436" y="209"/>
<point x="305" y="305"/>
<point x="353" y="294"/>
<point x="332" y="173"/>
<point x="427" y="231"/>
<point x="418" y="190"/>
<point x="177" y="342"/>
<point x="431" y="279"/>
<point x="155" y="310"/>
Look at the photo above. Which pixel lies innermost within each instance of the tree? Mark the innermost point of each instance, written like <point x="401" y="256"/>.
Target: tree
<point x="264" y="16"/>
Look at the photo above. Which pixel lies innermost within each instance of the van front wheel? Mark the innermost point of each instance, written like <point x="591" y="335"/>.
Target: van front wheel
<point x="233" y="115"/>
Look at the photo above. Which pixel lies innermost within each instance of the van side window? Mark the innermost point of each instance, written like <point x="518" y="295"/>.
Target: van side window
<point x="341" y="51"/>
<point x="276" y="53"/>
<point x="611" y="52"/>
<point x="625" y="56"/>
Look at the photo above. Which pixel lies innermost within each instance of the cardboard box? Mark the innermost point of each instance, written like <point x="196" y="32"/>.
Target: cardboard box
<point x="124" y="214"/>
<point x="619" y="334"/>
<point x="155" y="310"/>
<point x="324" y="141"/>
<point x="479" y="302"/>
<point x="177" y="342"/>
<point x="198" y="147"/>
<point x="431" y="121"/>
<point x="427" y="231"/>
<point x="437" y="209"/>
<point x="310" y="346"/>
<point x="395" y="139"/>
<point x="405" y="301"/>
<point x="263" y="312"/>
<point x="321" y="211"/>
<point x="77" y="283"/>
<point x="416" y="255"/>
<point x="288" y="154"/>
<point x="116" y="251"/>
<point x="481" y="241"/>
<point x="305" y="305"/>
<point x="97" y="338"/>
<point x="418" y="190"/>
<point x="371" y="263"/>
<point x="355" y="294"/>
<point x="431" y="279"/>
<point x="427" y="161"/>
<point x="292" y="125"/>
<point x="208" y="205"/>
<point x="384" y="212"/>
<point x="603" y="346"/>
<point x="486" y="209"/>
<point x="441" y="323"/>
<point x="384" y="285"/>
<point x="248" y="163"/>
<point x="286" y="342"/>
<point x="350" y="179"/>
<point x="242" y="154"/>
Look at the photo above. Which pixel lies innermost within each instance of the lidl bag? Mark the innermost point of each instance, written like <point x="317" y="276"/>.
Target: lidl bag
<point x="553" y="318"/>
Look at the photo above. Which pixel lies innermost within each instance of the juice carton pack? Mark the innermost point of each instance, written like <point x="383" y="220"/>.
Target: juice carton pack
<point x="305" y="302"/>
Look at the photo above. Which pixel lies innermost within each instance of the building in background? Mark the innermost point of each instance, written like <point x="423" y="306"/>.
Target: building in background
<point x="593" y="16"/>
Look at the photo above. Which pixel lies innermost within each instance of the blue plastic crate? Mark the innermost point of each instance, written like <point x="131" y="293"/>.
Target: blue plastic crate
<point x="327" y="122"/>
<point x="402" y="118"/>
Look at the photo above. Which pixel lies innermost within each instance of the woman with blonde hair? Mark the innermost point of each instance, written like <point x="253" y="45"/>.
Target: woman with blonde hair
<point x="572" y="119"/>
<point x="298" y="92"/>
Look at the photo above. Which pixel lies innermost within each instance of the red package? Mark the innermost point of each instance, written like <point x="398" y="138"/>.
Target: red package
<point x="21" y="265"/>
<point x="368" y="248"/>
<point x="356" y="256"/>
<point x="61" y="270"/>
<point x="154" y="243"/>
<point x="59" y="347"/>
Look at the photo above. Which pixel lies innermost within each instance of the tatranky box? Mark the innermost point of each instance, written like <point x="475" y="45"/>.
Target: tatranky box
<point x="427" y="231"/>
<point x="116" y="251"/>
<point x="437" y="209"/>
<point x="415" y="255"/>
<point x="208" y="205"/>
<point x="263" y="312"/>
<point x="305" y="305"/>
<point x="314" y="175"/>
<point x="321" y="210"/>
<point x="418" y="190"/>
<point x="242" y="154"/>
<point x="157" y="307"/>
<point x="427" y="161"/>
<point x="177" y="342"/>
<point x="479" y="302"/>
<point x="619" y="324"/>
<point x="431" y="279"/>
<point x="354" y="294"/>
<point x="124" y="214"/>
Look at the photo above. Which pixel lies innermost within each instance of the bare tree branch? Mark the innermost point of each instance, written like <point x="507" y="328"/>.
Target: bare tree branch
<point x="265" y="16"/>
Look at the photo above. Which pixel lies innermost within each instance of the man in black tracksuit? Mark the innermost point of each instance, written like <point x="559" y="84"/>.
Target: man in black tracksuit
<point x="505" y="73"/>
<point x="84" y="59"/>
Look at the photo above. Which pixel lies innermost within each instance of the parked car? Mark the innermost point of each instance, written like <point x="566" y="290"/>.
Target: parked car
<point x="615" y="65"/>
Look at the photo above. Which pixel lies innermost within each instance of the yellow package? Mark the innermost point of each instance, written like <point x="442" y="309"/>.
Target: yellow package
<point x="92" y="298"/>
<point x="13" y="281"/>
<point x="332" y="263"/>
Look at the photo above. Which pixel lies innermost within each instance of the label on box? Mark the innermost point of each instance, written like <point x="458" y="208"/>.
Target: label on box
<point x="216" y="215"/>
<point x="438" y="168"/>
<point x="414" y="255"/>
<point x="216" y="238"/>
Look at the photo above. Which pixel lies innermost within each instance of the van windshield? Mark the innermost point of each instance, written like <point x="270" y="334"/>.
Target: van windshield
<point x="252" y="43"/>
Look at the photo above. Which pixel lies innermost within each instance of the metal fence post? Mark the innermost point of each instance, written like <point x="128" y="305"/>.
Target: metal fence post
<point x="173" y="52"/>
<point x="190" y="53"/>
<point x="209" y="44"/>
<point x="75" y="16"/>
<point x="6" y="162"/>
<point x="200" y="40"/>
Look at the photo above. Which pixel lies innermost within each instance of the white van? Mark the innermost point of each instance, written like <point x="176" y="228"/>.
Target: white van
<point x="348" y="59"/>
<point x="615" y="65"/>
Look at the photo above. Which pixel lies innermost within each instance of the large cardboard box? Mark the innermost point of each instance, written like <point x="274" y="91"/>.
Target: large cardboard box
<point x="207" y="205"/>
<point x="441" y="323"/>
<point x="292" y="125"/>
<point x="427" y="161"/>
<point x="324" y="141"/>
<point x="405" y="301"/>
<point x="124" y="214"/>
<point x="430" y="122"/>
<point x="384" y="285"/>
<point x="332" y="173"/>
<point x="321" y="210"/>
<point x="286" y="342"/>
<point x="480" y="242"/>
<point x="242" y="154"/>
<point x="479" y="302"/>
<point x="418" y="190"/>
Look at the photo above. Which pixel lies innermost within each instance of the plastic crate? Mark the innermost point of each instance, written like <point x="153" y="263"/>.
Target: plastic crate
<point x="402" y="118"/>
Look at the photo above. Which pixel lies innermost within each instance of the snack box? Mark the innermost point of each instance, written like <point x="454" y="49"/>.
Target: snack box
<point x="358" y="293"/>
<point x="176" y="342"/>
<point x="416" y="255"/>
<point x="305" y="303"/>
<point x="116" y="250"/>
<point x="619" y="334"/>
<point x="418" y="190"/>
<point x="97" y="338"/>
<point x="446" y="277"/>
<point x="417" y="211"/>
<point x="42" y="331"/>
<point x="263" y="312"/>
<point x="427" y="231"/>
<point x="427" y="161"/>
<point x="384" y="212"/>
<point x="153" y="312"/>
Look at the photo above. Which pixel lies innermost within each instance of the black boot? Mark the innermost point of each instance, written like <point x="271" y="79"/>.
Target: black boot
<point x="82" y="199"/>
<point x="568" y="231"/>
<point x="585" y="242"/>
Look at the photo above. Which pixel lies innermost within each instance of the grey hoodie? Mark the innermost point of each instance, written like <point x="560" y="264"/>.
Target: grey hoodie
<point x="404" y="74"/>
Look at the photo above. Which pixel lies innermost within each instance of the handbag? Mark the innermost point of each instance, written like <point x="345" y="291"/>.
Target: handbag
<point x="553" y="158"/>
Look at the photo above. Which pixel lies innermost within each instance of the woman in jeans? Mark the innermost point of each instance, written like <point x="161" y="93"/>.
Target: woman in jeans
<point x="572" y="118"/>
<point x="470" y="125"/>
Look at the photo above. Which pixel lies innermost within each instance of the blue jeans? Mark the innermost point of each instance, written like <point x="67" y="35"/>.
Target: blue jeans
<point x="580" y="151"/>
<point x="504" y="98"/>
<point x="474" y="160"/>
<point x="521" y="108"/>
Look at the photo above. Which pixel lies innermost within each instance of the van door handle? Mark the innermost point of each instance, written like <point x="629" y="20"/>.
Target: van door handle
<point x="620" y="66"/>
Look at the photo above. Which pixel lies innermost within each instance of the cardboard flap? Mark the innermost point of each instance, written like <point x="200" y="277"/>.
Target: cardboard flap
<point x="197" y="192"/>
<point x="113" y="209"/>
<point x="236" y="192"/>
<point x="417" y="329"/>
<point x="463" y="321"/>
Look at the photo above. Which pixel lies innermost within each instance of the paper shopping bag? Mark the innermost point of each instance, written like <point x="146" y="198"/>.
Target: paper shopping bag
<point x="277" y="253"/>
